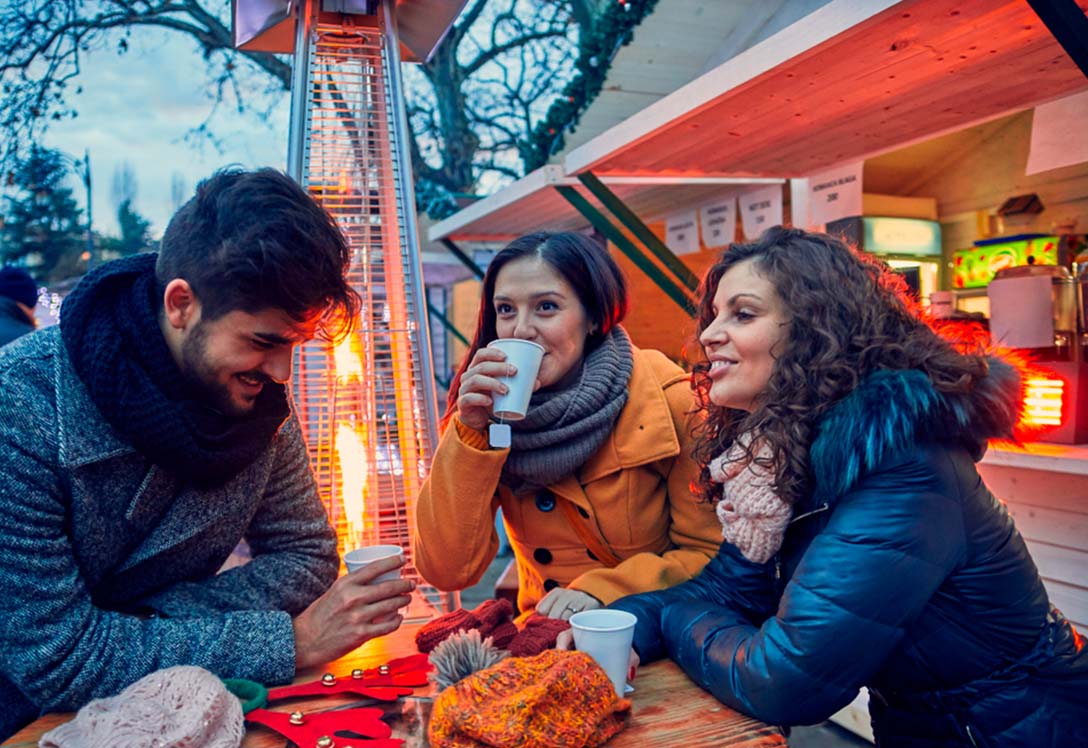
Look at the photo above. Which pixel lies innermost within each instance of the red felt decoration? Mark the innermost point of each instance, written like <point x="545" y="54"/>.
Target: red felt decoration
<point x="385" y="683"/>
<point x="315" y="726"/>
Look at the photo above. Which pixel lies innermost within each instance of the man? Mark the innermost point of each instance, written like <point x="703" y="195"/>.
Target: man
<point x="18" y="297"/>
<point x="147" y="434"/>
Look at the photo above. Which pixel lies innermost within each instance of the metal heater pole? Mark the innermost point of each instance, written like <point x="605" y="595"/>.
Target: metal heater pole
<point x="301" y="92"/>
<point x="402" y="162"/>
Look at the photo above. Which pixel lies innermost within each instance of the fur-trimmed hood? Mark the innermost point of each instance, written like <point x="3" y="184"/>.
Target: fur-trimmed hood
<point x="894" y="409"/>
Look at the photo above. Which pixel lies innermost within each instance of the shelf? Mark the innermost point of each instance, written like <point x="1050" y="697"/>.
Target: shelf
<point x="1054" y="458"/>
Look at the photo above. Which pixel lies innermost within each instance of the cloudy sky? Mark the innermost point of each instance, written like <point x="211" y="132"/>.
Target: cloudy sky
<point x="138" y="108"/>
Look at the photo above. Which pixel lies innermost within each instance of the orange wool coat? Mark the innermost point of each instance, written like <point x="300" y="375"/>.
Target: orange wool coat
<point x="633" y="494"/>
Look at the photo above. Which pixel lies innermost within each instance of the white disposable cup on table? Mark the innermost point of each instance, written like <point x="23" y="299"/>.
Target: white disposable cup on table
<point x="606" y="635"/>
<point x="360" y="557"/>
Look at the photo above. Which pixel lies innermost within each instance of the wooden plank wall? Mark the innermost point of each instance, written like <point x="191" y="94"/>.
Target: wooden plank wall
<point x="987" y="169"/>
<point x="462" y="309"/>
<point x="654" y="320"/>
<point x="1051" y="512"/>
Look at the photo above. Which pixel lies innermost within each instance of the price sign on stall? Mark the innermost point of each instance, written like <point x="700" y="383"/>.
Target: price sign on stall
<point x="834" y="194"/>
<point x="760" y="209"/>
<point x="682" y="232"/>
<point x="719" y="222"/>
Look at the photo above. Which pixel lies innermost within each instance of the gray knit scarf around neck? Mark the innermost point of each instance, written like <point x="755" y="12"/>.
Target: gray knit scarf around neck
<point x="563" y="428"/>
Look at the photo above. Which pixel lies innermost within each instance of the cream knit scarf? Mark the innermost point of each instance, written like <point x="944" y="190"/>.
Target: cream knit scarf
<point x="754" y="518"/>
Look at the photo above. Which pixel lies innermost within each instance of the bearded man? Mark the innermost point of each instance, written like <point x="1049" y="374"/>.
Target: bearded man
<point x="148" y="434"/>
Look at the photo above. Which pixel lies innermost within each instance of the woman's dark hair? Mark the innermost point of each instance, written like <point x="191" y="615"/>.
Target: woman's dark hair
<point x="848" y="317"/>
<point x="253" y="240"/>
<point x="583" y="263"/>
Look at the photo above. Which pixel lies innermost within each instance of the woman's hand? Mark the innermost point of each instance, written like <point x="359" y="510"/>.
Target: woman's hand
<point x="563" y="603"/>
<point x="565" y="640"/>
<point x="479" y="383"/>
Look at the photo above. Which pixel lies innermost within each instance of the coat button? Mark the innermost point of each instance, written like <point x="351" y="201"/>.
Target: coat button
<point x="545" y="501"/>
<point x="583" y="512"/>
<point x="550" y="584"/>
<point x="542" y="556"/>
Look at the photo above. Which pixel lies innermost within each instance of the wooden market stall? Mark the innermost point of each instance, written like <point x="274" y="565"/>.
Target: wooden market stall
<point x="850" y="82"/>
<point x="853" y="81"/>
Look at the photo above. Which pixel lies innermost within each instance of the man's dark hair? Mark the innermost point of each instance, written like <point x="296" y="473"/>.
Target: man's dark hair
<point x="254" y="240"/>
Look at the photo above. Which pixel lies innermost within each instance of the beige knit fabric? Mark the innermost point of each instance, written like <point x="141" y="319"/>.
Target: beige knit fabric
<point x="180" y="707"/>
<point x="753" y="517"/>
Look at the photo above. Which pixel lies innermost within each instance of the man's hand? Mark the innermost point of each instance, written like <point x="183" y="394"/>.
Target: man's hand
<point x="351" y="613"/>
<point x="563" y="603"/>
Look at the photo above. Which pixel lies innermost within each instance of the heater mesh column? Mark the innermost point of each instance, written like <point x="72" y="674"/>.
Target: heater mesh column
<point x="367" y="404"/>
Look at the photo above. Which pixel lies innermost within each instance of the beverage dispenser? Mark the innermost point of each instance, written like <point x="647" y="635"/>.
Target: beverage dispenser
<point x="1039" y="310"/>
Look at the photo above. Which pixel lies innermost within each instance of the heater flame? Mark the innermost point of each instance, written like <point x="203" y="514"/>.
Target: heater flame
<point x="351" y="453"/>
<point x="350" y="444"/>
<point x="348" y="361"/>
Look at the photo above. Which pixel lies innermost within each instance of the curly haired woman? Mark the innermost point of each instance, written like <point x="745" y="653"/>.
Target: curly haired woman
<point x="862" y="548"/>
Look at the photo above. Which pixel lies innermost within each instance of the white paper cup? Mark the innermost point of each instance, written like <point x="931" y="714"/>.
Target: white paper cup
<point x="525" y="355"/>
<point x="360" y="557"/>
<point x="605" y="635"/>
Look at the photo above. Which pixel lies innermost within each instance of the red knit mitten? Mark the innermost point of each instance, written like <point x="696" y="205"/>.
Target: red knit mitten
<point x="438" y="630"/>
<point x="490" y="613"/>
<point x="539" y="634"/>
<point x="503" y="634"/>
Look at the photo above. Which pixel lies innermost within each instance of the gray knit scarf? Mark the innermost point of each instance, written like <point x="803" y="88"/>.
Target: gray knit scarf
<point x="563" y="428"/>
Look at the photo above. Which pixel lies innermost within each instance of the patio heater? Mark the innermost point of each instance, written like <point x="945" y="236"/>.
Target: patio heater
<point x="367" y="404"/>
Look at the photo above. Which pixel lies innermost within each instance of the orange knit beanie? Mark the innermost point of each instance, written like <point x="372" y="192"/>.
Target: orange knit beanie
<point x="557" y="698"/>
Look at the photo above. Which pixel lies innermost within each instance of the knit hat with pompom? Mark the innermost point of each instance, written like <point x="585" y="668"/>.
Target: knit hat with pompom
<point x="557" y="698"/>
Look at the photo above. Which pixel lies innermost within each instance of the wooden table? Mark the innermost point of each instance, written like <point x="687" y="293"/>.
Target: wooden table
<point x="667" y="709"/>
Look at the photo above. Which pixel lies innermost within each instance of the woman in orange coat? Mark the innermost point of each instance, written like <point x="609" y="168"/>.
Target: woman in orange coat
<point x="595" y="489"/>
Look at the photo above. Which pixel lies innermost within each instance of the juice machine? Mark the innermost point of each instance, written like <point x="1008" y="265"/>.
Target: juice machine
<point x="1042" y="311"/>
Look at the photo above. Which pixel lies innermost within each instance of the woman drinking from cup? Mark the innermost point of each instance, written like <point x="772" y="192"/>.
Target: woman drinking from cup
<point x="595" y="485"/>
<point x="862" y="547"/>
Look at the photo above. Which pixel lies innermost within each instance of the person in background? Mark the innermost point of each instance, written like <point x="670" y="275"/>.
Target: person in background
<point x="147" y="434"/>
<point x="18" y="297"/>
<point x="862" y="548"/>
<point x="595" y="489"/>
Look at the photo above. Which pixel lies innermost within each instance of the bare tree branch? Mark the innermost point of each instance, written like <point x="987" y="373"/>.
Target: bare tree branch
<point x="501" y="49"/>
<point x="487" y="85"/>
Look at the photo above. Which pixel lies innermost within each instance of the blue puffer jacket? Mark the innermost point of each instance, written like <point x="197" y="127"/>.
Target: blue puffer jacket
<point x="901" y="572"/>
